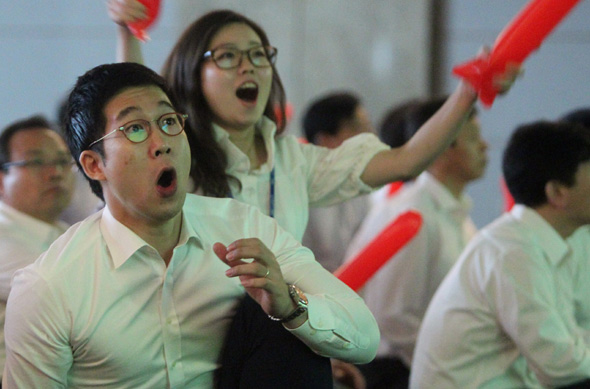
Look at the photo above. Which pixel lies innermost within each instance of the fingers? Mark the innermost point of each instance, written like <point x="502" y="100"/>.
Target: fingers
<point x="126" y="11"/>
<point x="221" y="251"/>
<point x="249" y="249"/>
<point x="250" y="260"/>
<point x="505" y="81"/>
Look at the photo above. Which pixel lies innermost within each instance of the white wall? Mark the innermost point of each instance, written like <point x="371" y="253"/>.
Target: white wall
<point x="555" y="79"/>
<point x="377" y="48"/>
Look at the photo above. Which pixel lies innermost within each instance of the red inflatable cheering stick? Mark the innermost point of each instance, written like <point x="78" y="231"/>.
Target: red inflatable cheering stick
<point x="356" y="272"/>
<point x="152" y="8"/>
<point x="514" y="44"/>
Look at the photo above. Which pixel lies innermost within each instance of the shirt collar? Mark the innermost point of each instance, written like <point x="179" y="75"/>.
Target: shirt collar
<point x="551" y="243"/>
<point x="123" y="243"/>
<point x="443" y="197"/>
<point x="236" y="159"/>
<point x="37" y="229"/>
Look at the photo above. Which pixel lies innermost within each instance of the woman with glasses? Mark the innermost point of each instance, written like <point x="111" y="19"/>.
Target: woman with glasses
<point x="222" y="74"/>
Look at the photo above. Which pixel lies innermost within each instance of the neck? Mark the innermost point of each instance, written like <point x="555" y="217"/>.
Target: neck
<point x="455" y="186"/>
<point x="251" y="144"/>
<point x="161" y="236"/>
<point x="243" y="139"/>
<point x="563" y="224"/>
<point x="49" y="219"/>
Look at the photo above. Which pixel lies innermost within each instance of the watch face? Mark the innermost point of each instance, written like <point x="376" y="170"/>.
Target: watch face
<point x="298" y="294"/>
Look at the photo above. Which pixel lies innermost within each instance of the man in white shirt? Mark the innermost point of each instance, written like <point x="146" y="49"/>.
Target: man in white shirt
<point x="400" y="291"/>
<point x="505" y="315"/>
<point x="142" y="293"/>
<point x="36" y="184"/>
<point x="329" y="121"/>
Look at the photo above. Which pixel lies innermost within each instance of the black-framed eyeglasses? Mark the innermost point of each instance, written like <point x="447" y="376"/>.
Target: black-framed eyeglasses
<point x="39" y="163"/>
<point x="139" y="130"/>
<point x="230" y="58"/>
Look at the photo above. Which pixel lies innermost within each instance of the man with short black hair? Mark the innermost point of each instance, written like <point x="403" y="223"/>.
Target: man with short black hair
<point x="142" y="293"/>
<point x="36" y="184"/>
<point x="505" y="315"/>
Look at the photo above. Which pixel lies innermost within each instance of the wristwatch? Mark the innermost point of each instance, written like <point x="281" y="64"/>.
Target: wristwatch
<point x="299" y="299"/>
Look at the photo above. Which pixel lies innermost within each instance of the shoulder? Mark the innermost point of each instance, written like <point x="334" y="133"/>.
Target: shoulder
<point x="72" y="248"/>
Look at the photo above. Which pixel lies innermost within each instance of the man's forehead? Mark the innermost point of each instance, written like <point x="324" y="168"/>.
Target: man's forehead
<point x="134" y="99"/>
<point x="39" y="140"/>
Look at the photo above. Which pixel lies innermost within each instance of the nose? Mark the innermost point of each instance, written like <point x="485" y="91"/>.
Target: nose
<point x="57" y="172"/>
<point x="246" y="64"/>
<point x="163" y="149"/>
<point x="159" y="143"/>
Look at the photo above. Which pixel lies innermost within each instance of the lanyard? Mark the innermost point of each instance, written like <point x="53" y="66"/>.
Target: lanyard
<point x="271" y="196"/>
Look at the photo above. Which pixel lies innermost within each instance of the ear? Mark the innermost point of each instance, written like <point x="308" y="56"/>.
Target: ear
<point x="557" y="194"/>
<point x="2" y="174"/>
<point x="92" y="164"/>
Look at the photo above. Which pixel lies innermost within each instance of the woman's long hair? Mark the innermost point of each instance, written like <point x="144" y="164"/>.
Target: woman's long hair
<point x="182" y="71"/>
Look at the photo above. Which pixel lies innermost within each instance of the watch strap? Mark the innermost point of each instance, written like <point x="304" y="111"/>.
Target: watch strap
<point x="301" y="306"/>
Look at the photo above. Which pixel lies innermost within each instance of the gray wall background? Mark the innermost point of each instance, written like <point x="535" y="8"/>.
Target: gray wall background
<point x="386" y="51"/>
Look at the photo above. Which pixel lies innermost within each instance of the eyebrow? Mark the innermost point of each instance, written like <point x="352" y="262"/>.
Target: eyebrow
<point x="41" y="152"/>
<point x="133" y="108"/>
<point x="234" y="45"/>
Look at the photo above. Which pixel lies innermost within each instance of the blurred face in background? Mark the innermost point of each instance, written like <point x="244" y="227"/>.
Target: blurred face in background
<point x="467" y="156"/>
<point x="42" y="182"/>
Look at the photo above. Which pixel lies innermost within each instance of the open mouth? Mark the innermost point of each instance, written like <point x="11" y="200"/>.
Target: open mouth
<point x="248" y="92"/>
<point x="166" y="183"/>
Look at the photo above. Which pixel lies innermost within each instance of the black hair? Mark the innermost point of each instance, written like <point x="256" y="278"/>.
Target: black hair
<point x="540" y="152"/>
<point x="30" y="123"/>
<point x="325" y="114"/>
<point x="580" y="116"/>
<point x="84" y="119"/>
<point x="182" y="71"/>
<point x="401" y="122"/>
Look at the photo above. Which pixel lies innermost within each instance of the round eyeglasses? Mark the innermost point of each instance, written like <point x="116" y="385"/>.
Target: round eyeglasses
<point x="230" y="58"/>
<point x="139" y="130"/>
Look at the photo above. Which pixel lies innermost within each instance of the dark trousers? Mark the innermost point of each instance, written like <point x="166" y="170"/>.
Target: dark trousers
<point x="260" y="353"/>
<point x="580" y="385"/>
<point x="386" y="373"/>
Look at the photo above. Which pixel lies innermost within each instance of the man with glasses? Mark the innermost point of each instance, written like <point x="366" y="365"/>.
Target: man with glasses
<point x="141" y="294"/>
<point x="36" y="184"/>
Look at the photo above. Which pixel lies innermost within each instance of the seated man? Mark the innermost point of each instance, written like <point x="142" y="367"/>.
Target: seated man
<point x="400" y="291"/>
<point x="328" y="122"/>
<point x="142" y="293"/>
<point x="36" y="183"/>
<point x="505" y="314"/>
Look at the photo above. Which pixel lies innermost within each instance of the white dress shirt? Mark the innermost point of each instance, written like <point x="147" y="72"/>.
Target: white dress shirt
<point x="330" y="230"/>
<point x="504" y="315"/>
<point x="102" y="309"/>
<point x="580" y="243"/>
<point x="305" y="174"/>
<point x="22" y="239"/>
<point x="399" y="293"/>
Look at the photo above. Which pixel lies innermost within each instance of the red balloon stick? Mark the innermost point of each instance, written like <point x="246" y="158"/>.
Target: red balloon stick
<point x="519" y="38"/>
<point x="139" y="27"/>
<point x="356" y="272"/>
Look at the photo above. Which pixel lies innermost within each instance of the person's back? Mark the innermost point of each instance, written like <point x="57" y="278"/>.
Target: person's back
<point x="328" y="122"/>
<point x="36" y="183"/>
<point x="504" y="315"/>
